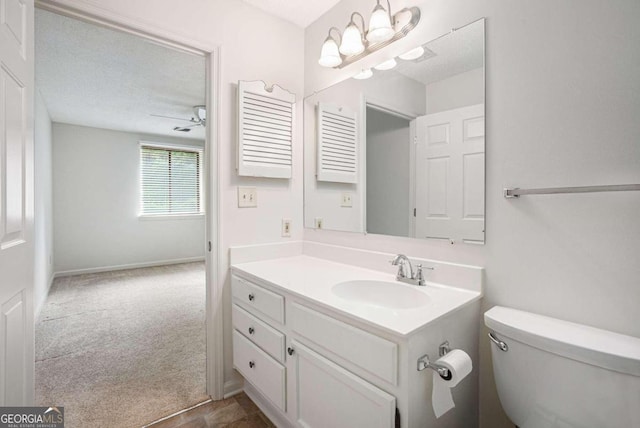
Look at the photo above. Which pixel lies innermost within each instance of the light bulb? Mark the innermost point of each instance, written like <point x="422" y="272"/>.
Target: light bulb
<point x="351" y="41"/>
<point x="387" y="65"/>
<point x="413" y="54"/>
<point x="380" y="29"/>
<point x="364" y="74"/>
<point x="329" y="55"/>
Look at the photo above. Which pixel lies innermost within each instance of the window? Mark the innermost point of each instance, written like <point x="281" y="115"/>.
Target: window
<point x="170" y="180"/>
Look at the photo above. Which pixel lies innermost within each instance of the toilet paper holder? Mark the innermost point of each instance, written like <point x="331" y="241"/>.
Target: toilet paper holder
<point x="424" y="363"/>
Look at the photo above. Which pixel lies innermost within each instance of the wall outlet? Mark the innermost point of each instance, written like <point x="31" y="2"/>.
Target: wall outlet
<point x="286" y="228"/>
<point x="347" y="200"/>
<point x="247" y="197"/>
<point x="318" y="223"/>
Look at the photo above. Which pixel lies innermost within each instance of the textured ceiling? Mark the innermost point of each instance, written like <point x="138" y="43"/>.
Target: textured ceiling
<point x="300" y="12"/>
<point x="94" y="76"/>
<point x="455" y="53"/>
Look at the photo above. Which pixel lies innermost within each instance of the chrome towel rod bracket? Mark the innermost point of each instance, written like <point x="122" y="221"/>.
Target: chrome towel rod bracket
<point x="510" y="193"/>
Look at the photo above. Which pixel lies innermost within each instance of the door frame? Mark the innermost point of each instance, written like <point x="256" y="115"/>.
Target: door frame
<point x="214" y="286"/>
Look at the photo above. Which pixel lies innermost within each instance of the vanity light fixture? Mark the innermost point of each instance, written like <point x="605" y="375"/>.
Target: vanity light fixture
<point x="387" y="65"/>
<point x="364" y="74"/>
<point x="356" y="42"/>
<point x="412" y="54"/>
<point x="330" y="54"/>
<point x="352" y="43"/>
<point x="380" y="27"/>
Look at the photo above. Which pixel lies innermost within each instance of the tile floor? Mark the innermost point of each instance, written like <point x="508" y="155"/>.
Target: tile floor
<point x="234" y="412"/>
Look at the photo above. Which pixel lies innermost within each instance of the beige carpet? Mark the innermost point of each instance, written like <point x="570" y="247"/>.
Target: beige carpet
<point x="124" y="348"/>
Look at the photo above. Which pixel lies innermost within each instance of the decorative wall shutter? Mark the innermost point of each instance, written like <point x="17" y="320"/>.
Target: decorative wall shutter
<point x="265" y="130"/>
<point x="337" y="144"/>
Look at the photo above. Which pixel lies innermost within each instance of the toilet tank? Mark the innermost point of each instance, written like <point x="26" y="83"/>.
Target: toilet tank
<point x="557" y="374"/>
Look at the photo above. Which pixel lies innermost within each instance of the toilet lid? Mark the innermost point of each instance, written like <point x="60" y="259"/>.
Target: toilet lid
<point x="590" y="345"/>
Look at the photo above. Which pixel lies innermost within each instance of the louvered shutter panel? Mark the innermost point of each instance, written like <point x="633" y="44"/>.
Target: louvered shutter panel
<point x="265" y="132"/>
<point x="337" y="144"/>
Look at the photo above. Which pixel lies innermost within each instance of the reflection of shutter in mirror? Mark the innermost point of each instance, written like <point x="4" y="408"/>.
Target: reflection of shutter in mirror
<point x="337" y="144"/>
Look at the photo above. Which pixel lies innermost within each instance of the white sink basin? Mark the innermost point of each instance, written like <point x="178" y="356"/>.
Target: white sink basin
<point x="384" y="294"/>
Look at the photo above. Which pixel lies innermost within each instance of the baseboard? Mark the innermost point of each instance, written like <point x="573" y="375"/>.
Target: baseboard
<point x="266" y="407"/>
<point x="127" y="266"/>
<point x="40" y="305"/>
<point x="233" y="387"/>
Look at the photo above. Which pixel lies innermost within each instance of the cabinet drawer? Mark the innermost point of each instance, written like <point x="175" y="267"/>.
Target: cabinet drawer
<point x="258" y="300"/>
<point x="377" y="356"/>
<point x="265" y="373"/>
<point x="260" y="333"/>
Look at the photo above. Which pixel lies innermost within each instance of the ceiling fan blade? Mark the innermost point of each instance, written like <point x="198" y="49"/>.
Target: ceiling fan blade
<point x="192" y="126"/>
<point x="171" y="117"/>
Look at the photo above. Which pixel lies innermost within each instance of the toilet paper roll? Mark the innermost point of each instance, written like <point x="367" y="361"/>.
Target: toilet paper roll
<point x="460" y="365"/>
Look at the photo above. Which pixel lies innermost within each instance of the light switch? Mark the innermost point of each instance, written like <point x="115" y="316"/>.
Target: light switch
<point x="286" y="228"/>
<point x="247" y="197"/>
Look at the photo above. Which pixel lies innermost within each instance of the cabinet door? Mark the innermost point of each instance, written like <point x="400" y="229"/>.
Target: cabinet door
<point x="330" y="396"/>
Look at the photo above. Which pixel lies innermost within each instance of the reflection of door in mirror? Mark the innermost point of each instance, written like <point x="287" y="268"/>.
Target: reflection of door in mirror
<point x="450" y="175"/>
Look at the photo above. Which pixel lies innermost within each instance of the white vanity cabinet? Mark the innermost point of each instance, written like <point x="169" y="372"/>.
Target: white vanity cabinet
<point x="307" y="365"/>
<point x="321" y="393"/>
<point x="258" y="348"/>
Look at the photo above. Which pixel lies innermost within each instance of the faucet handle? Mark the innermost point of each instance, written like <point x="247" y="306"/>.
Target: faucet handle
<point x="420" y="274"/>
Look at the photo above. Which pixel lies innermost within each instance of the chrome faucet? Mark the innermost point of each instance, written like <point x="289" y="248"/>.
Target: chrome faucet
<point x="405" y="271"/>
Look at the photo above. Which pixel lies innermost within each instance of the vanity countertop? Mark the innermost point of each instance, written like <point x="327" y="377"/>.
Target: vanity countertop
<point x="313" y="278"/>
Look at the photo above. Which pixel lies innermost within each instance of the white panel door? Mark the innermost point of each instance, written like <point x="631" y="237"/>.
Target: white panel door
<point x="330" y="396"/>
<point x="16" y="203"/>
<point x="450" y="175"/>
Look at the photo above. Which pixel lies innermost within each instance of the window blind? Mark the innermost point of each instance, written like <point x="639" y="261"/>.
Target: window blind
<point x="170" y="181"/>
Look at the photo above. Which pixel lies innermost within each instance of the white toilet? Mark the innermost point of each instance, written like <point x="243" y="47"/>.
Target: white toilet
<point x="552" y="373"/>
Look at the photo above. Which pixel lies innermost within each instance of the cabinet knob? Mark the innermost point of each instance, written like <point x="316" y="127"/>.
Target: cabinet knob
<point x="251" y="296"/>
<point x="251" y="330"/>
<point x="251" y="364"/>
<point x="290" y="350"/>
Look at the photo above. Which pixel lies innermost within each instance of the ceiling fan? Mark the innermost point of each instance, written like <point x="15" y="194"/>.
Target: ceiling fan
<point x="198" y="119"/>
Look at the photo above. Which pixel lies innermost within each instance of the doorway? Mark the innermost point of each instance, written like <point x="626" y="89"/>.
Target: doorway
<point x="388" y="150"/>
<point x="208" y="199"/>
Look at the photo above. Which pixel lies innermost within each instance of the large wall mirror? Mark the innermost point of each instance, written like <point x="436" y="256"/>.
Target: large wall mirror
<point x="402" y="152"/>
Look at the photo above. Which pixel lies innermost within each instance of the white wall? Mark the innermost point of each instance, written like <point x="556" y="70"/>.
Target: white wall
<point x="43" y="222"/>
<point x="562" y="104"/>
<point x="388" y="174"/>
<point x="461" y="90"/>
<point x="254" y="46"/>
<point x="96" y="202"/>
<point x="562" y="98"/>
